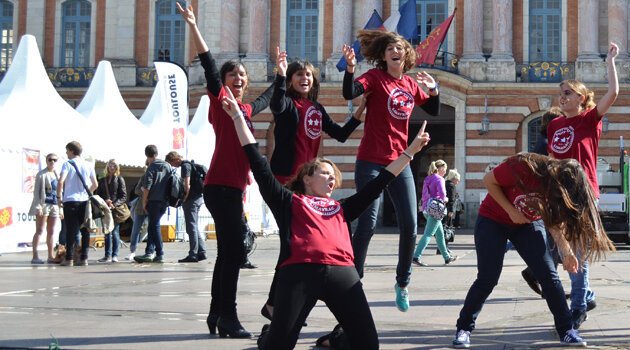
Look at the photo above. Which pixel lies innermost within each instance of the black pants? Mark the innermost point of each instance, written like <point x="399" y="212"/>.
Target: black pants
<point x="298" y="289"/>
<point x="73" y="216"/>
<point x="226" y="206"/>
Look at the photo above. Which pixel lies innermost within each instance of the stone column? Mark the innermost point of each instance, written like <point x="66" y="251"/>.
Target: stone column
<point x="230" y="29"/>
<point x="119" y="41"/>
<point x="501" y="66"/>
<point x="618" y="26"/>
<point x="342" y="34"/>
<point x="589" y="66"/>
<point x="257" y="57"/>
<point x="362" y="12"/>
<point x="472" y="63"/>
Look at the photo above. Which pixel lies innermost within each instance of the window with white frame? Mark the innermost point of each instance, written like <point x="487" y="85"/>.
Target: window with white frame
<point x="6" y="34"/>
<point x="302" y="24"/>
<point x="170" y="32"/>
<point x="430" y="14"/>
<point x="545" y="26"/>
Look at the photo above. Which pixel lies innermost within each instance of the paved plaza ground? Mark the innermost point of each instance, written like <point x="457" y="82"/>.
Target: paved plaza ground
<point x="163" y="306"/>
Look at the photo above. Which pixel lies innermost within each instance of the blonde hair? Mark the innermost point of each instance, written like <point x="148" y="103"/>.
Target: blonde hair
<point x="579" y="88"/>
<point x="433" y="167"/>
<point x="116" y="172"/>
<point x="452" y="174"/>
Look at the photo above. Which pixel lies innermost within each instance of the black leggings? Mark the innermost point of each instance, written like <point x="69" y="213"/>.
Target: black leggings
<point x="299" y="287"/>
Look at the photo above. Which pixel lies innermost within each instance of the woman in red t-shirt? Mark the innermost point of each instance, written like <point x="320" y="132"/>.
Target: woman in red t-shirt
<point x="225" y="182"/>
<point x="576" y="135"/>
<point x="316" y="256"/>
<point x="527" y="193"/>
<point x="392" y="98"/>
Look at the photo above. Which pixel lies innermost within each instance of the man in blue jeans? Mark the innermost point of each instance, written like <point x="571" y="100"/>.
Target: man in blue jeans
<point x="193" y="201"/>
<point x="154" y="190"/>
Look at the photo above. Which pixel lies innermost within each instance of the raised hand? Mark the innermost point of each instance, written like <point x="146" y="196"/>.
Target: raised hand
<point x="281" y="62"/>
<point x="348" y="53"/>
<point x="187" y="14"/>
<point x="424" y="78"/>
<point x="421" y="140"/>
<point x="229" y="104"/>
<point x="613" y="51"/>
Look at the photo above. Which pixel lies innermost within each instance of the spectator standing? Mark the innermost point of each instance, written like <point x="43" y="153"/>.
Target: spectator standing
<point x="113" y="190"/>
<point x="45" y="207"/>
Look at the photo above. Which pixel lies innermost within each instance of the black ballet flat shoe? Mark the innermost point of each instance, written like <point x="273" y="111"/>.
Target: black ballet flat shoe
<point x="231" y="327"/>
<point x="211" y="321"/>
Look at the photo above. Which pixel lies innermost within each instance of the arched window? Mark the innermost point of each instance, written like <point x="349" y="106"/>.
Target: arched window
<point x="6" y="34"/>
<point x="302" y="24"/>
<point x="545" y="25"/>
<point x="533" y="133"/>
<point x="76" y="25"/>
<point x="170" y="32"/>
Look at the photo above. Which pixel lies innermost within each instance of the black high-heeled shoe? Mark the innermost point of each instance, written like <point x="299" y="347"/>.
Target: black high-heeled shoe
<point x="211" y="321"/>
<point x="231" y="327"/>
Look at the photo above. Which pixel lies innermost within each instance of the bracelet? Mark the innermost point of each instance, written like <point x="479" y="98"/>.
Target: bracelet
<point x="350" y="65"/>
<point x="408" y="155"/>
<point x="435" y="87"/>
<point x="239" y="115"/>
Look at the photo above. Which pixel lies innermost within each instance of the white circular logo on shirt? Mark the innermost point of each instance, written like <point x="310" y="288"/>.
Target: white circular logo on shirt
<point x="322" y="206"/>
<point x="400" y="103"/>
<point x="527" y="204"/>
<point x="313" y="123"/>
<point x="562" y="139"/>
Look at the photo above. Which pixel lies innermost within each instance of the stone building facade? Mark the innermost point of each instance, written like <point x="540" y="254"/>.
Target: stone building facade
<point x="499" y="67"/>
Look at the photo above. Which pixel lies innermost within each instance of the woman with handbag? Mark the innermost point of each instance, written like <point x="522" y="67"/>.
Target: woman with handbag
<point x="45" y="207"/>
<point x="112" y="188"/>
<point x="433" y="208"/>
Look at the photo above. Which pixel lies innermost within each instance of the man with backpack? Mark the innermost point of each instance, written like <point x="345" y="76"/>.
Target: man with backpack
<point x="155" y="189"/>
<point x="193" y="175"/>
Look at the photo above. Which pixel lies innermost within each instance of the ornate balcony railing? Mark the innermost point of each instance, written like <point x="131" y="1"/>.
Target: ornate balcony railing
<point x="446" y="61"/>
<point x="71" y="76"/>
<point x="146" y="76"/>
<point x="544" y="72"/>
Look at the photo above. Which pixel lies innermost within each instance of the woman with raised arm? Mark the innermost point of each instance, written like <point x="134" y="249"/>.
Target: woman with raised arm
<point x="392" y="98"/>
<point x="225" y="181"/>
<point x="527" y="193"/>
<point x="316" y="257"/>
<point x="576" y="135"/>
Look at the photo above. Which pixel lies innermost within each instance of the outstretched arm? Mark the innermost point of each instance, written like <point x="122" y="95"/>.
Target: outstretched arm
<point x="189" y="17"/>
<point x="613" y="82"/>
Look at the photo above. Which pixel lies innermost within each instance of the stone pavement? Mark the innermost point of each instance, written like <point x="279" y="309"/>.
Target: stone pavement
<point x="150" y="306"/>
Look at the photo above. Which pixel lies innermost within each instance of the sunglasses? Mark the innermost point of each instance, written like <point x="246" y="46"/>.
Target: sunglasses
<point x="51" y="160"/>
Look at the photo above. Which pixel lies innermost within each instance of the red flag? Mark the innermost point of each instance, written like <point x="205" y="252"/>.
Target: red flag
<point x="6" y="217"/>
<point x="428" y="48"/>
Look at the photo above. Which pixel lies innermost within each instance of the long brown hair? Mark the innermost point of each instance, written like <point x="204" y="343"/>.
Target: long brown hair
<point x="297" y="66"/>
<point x="568" y="204"/>
<point x="296" y="184"/>
<point x="374" y="43"/>
<point x="579" y="88"/>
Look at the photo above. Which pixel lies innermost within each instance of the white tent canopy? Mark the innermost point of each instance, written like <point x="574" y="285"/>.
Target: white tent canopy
<point x="201" y="137"/>
<point x="122" y="136"/>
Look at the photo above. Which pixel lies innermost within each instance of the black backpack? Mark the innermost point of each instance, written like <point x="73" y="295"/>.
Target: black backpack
<point x="175" y="189"/>
<point x="197" y="176"/>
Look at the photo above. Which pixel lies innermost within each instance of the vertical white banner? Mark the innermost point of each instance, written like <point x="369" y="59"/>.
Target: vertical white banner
<point x="174" y="87"/>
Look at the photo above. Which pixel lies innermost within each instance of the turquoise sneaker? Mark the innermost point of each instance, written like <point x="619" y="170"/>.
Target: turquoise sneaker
<point x="402" y="298"/>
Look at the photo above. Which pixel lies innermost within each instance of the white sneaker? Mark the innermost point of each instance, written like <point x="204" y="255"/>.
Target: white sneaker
<point x="114" y="259"/>
<point x="130" y="256"/>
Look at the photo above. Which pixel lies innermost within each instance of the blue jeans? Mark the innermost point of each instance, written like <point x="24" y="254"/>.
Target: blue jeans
<point x="530" y="242"/>
<point x="402" y="191"/>
<point x="155" y="209"/>
<point x="433" y="227"/>
<point x="138" y="221"/>
<point x="115" y="237"/>
<point x="191" y="215"/>
<point x="581" y="293"/>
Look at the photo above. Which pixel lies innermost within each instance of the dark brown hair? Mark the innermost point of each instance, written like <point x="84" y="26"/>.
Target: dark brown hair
<point x="230" y="66"/>
<point x="374" y="43"/>
<point x="297" y="66"/>
<point x="569" y="203"/>
<point x="75" y="147"/>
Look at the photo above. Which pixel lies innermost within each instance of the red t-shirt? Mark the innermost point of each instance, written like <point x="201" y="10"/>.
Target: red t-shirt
<point x="319" y="233"/>
<point x="308" y="135"/>
<point x="229" y="165"/>
<point x="577" y="138"/>
<point x="509" y="175"/>
<point x="389" y="109"/>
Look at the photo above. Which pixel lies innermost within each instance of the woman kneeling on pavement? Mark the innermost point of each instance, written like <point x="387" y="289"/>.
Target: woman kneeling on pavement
<point x="316" y="259"/>
<point x="527" y="193"/>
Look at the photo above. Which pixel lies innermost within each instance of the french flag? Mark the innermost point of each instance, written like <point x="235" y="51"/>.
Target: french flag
<point x="403" y="22"/>
<point x="375" y="22"/>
